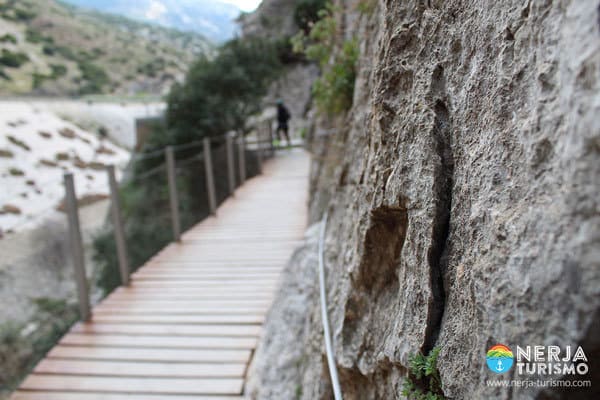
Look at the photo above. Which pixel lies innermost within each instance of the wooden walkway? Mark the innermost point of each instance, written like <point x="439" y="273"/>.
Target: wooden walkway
<point x="187" y="326"/>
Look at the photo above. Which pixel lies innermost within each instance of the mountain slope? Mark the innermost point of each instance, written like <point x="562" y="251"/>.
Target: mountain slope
<point x="210" y="18"/>
<point x="47" y="47"/>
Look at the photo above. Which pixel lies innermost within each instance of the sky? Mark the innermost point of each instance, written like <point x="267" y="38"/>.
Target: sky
<point x="244" y="5"/>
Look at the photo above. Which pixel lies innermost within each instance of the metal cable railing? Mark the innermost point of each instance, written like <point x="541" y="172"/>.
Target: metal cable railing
<point x="335" y="381"/>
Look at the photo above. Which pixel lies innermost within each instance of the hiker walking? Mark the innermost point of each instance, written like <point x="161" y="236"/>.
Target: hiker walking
<point x="283" y="116"/>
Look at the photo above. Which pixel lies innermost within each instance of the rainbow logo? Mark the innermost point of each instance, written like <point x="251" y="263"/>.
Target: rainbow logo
<point x="499" y="358"/>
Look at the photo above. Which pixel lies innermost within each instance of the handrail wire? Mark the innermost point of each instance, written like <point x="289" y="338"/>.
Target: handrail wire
<point x="335" y="381"/>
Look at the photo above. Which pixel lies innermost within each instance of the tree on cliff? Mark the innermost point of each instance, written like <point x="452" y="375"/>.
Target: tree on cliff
<point x="219" y="95"/>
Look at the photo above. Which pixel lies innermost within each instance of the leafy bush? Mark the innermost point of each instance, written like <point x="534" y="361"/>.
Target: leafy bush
<point x="4" y="75"/>
<point x="333" y="91"/>
<point x="8" y="38"/>
<point x="152" y="68"/>
<point x="13" y="59"/>
<point x="423" y="381"/>
<point x="33" y="36"/>
<point x="219" y="95"/>
<point x="58" y="70"/>
<point x="37" y="80"/>
<point x="48" y="50"/>
<point x="366" y="6"/>
<point x="307" y="13"/>
<point x="12" y="13"/>
<point x="285" y="52"/>
<point x="66" y="52"/>
<point x="95" y="78"/>
<point x="24" y="15"/>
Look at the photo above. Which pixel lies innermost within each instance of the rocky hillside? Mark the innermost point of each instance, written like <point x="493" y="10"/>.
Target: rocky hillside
<point x="462" y="187"/>
<point x="211" y="18"/>
<point x="48" y="47"/>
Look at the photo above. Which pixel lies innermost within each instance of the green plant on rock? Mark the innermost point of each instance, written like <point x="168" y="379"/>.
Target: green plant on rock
<point x="334" y="90"/>
<point x="306" y="13"/>
<point x="366" y="7"/>
<point x="423" y="381"/>
<point x="4" y="75"/>
<point x="95" y="78"/>
<point x="8" y="38"/>
<point x="56" y="316"/>
<point x="34" y="36"/>
<point x="13" y="59"/>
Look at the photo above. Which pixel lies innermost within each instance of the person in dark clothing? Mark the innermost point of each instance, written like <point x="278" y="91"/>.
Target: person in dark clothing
<point x="283" y="116"/>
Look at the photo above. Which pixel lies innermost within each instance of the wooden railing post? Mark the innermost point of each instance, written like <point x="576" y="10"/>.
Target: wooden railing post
<point x="118" y="225"/>
<point x="259" y="149"/>
<point x="210" y="179"/>
<point x="173" y="200"/>
<point x="76" y="247"/>
<point x="230" y="162"/>
<point x="242" y="158"/>
<point x="270" y="130"/>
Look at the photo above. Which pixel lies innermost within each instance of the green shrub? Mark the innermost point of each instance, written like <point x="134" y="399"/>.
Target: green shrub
<point x="58" y="71"/>
<point x="95" y="78"/>
<point x="11" y="13"/>
<point x="57" y="316"/>
<point x="285" y="51"/>
<point x="48" y="50"/>
<point x="33" y="36"/>
<point x="423" y="381"/>
<point x="37" y="80"/>
<point x="66" y="52"/>
<point x="219" y="95"/>
<point x="4" y="75"/>
<point x="24" y="15"/>
<point x="366" y="6"/>
<point x="333" y="91"/>
<point x="13" y="59"/>
<point x="306" y="13"/>
<point x="8" y="38"/>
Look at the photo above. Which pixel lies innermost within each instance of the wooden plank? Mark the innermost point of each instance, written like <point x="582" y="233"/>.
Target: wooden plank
<point x="133" y="385"/>
<point x="174" y="275"/>
<point x="235" y="291"/>
<point x="168" y="330"/>
<point x="248" y="290"/>
<point x="204" y="283"/>
<point x="140" y="369"/>
<point x="167" y="303"/>
<point x="23" y="395"/>
<point x="188" y="342"/>
<point x="178" y="310"/>
<point x="266" y="296"/>
<point x="181" y="319"/>
<point x="162" y="355"/>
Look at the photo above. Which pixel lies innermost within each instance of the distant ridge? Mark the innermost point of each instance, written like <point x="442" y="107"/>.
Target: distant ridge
<point x="213" y="19"/>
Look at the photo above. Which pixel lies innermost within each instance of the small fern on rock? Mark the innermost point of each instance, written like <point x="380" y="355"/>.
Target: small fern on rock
<point x="423" y="381"/>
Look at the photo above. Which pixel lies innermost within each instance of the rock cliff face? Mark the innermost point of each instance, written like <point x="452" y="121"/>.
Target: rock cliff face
<point x="273" y="18"/>
<point x="463" y="189"/>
